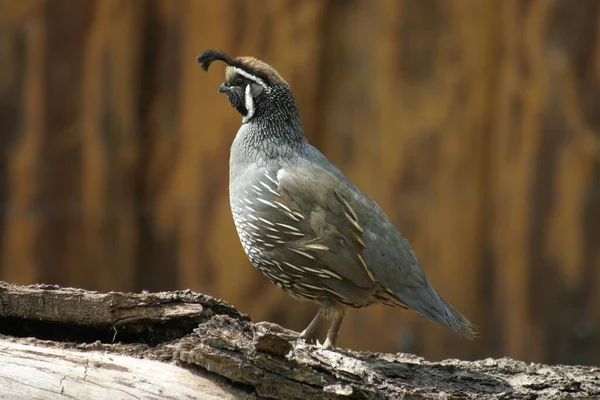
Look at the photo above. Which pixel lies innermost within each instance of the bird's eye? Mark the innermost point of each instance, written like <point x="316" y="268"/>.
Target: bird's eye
<point x="239" y="81"/>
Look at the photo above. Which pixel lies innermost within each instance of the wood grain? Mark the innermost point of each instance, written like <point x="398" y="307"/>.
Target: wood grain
<point x="38" y="372"/>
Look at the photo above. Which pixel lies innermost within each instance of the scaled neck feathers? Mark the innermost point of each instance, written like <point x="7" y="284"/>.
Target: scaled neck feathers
<point x="274" y="131"/>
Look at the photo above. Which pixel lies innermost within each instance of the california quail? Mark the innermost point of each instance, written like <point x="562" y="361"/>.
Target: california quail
<point x="304" y="224"/>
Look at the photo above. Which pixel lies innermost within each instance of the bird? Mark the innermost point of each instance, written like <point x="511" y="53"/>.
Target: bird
<point x="302" y="223"/>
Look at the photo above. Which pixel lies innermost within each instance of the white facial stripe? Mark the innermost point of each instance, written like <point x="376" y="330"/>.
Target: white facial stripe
<point x="249" y="105"/>
<point x="249" y="76"/>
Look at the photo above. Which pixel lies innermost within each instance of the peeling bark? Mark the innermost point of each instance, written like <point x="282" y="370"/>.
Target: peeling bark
<point x="220" y="353"/>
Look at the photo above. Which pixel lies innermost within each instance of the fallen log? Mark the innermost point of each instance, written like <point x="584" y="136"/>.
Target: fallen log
<point x="63" y="342"/>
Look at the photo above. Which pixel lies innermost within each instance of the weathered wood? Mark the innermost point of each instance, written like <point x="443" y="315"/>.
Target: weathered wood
<point x="85" y="315"/>
<point x="37" y="371"/>
<point x="73" y="306"/>
<point x="227" y="356"/>
<point x="227" y="347"/>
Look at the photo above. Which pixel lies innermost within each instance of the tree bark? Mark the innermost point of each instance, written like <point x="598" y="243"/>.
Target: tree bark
<point x="63" y="342"/>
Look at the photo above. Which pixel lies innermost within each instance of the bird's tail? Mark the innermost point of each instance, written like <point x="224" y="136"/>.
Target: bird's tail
<point x="426" y="302"/>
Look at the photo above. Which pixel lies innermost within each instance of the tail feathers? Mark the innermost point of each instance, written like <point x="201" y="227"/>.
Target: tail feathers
<point x="426" y="302"/>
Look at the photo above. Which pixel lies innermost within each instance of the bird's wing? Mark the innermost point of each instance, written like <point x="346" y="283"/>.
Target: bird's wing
<point x="319" y="231"/>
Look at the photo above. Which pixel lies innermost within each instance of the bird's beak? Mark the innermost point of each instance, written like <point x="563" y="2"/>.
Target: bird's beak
<point x="224" y="88"/>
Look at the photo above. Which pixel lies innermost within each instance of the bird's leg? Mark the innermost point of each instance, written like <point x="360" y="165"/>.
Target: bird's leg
<point x="310" y="332"/>
<point x="332" y="333"/>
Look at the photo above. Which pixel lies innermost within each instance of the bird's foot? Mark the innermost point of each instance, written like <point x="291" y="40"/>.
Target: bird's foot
<point x="328" y="344"/>
<point x="308" y="337"/>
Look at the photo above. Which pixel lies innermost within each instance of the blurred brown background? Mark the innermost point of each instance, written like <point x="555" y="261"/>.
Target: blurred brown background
<point x="474" y="123"/>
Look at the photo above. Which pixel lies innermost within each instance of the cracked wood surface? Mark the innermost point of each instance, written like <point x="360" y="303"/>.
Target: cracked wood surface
<point x="29" y="371"/>
<point x="225" y="355"/>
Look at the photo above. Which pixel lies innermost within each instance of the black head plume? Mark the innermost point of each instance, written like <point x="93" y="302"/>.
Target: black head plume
<point x="208" y="56"/>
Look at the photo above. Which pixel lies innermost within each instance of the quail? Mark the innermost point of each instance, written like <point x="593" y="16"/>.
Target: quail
<point x="303" y="223"/>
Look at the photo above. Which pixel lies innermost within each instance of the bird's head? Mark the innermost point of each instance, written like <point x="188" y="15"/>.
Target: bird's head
<point x="252" y="86"/>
